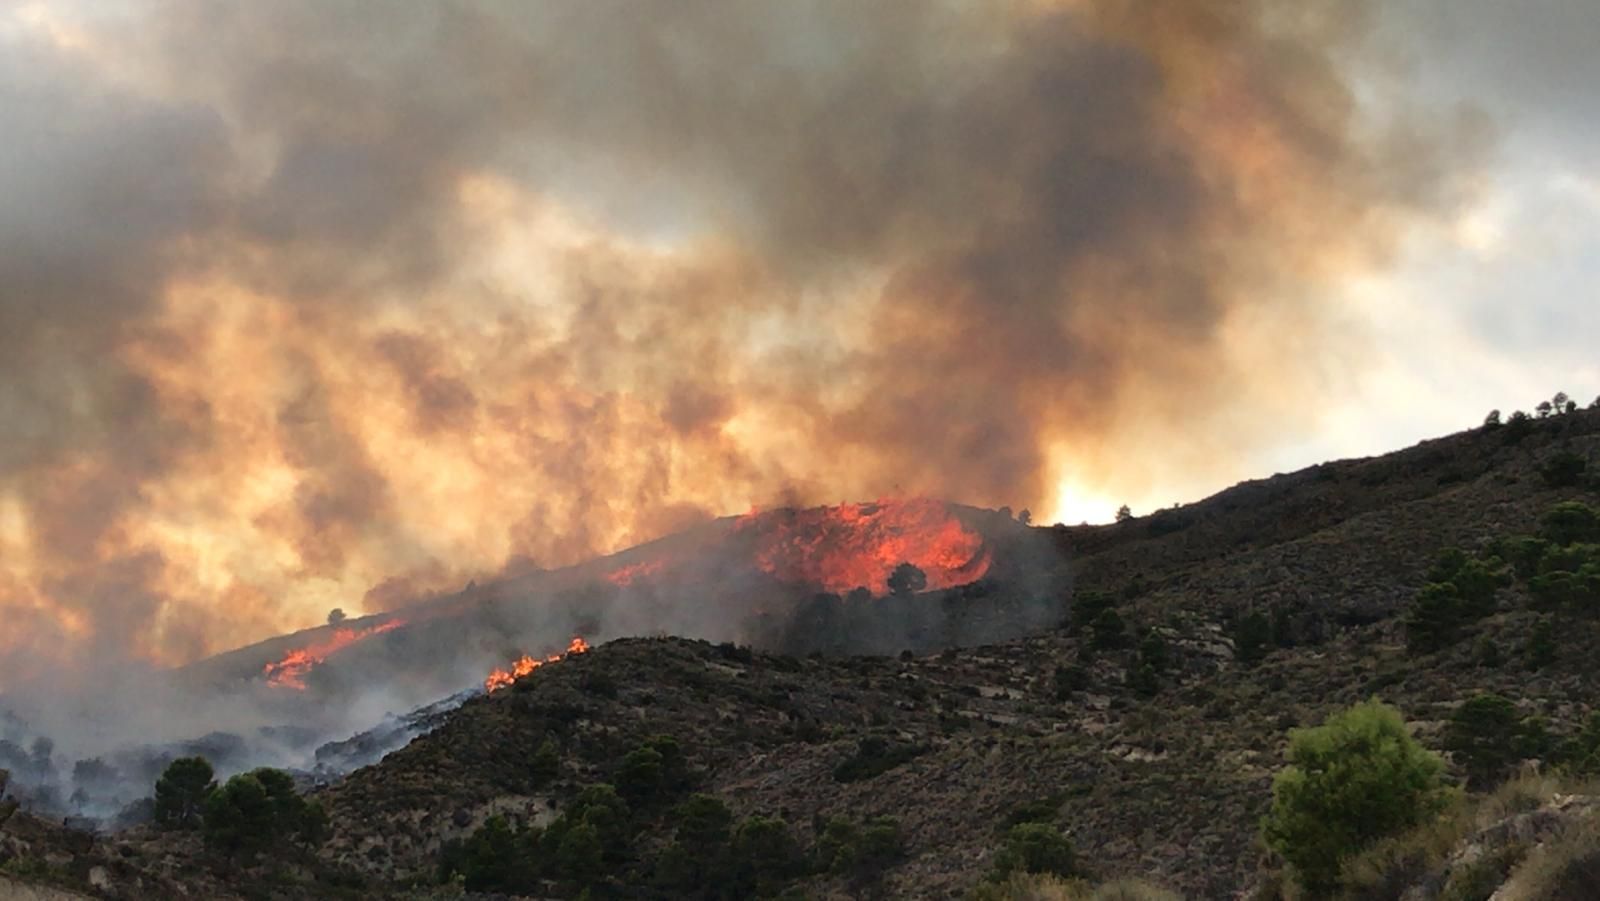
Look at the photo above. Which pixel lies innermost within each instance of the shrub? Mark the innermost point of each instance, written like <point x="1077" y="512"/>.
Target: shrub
<point x="1108" y="631"/>
<point x="1087" y="605"/>
<point x="1518" y="426"/>
<point x="765" y="856"/>
<point x="1571" y="522"/>
<point x="1435" y="618"/>
<point x="1488" y="738"/>
<point x="1388" y="868"/>
<point x="1563" y="470"/>
<point x="1069" y="679"/>
<point x="1540" y="651"/>
<point x="698" y="853"/>
<point x="1567" y="869"/>
<point x="1358" y="778"/>
<point x="258" y="810"/>
<point x="1252" y="634"/>
<point x="1035" y="848"/>
<point x="907" y="579"/>
<point x="861" y="851"/>
<point x="1581" y="755"/>
<point x="496" y="858"/>
<point x="875" y="756"/>
<point x="545" y="765"/>
<point x="181" y="793"/>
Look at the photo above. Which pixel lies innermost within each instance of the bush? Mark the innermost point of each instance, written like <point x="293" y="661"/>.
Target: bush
<point x="1569" y="523"/>
<point x="1252" y="635"/>
<point x="875" y="756"/>
<point x="1435" y="618"/>
<point x="1035" y="848"/>
<point x="1563" y="470"/>
<point x="1108" y="631"/>
<point x="1581" y="755"/>
<point x="496" y="858"/>
<point x="907" y="579"/>
<point x="1540" y="651"/>
<point x="765" y="856"/>
<point x="1086" y="605"/>
<point x="1069" y="679"/>
<point x="258" y="810"/>
<point x="1487" y="738"/>
<point x="545" y="765"/>
<point x="862" y="851"/>
<point x="654" y="771"/>
<point x="1358" y="778"/>
<point x="1567" y="869"/>
<point x="181" y="793"/>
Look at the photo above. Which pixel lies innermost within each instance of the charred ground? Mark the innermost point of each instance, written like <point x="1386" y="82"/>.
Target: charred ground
<point x="1157" y="771"/>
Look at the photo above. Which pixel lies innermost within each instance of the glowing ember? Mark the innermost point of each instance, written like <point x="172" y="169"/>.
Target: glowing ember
<point x="625" y="576"/>
<point x="858" y="545"/>
<point x="291" y="671"/>
<point x="524" y="665"/>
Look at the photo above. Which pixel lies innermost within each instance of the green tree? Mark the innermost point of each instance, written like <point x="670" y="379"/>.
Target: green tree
<point x="907" y="579"/>
<point x="860" y="851"/>
<point x="1108" y="631"/>
<point x="1582" y="752"/>
<point x="545" y="765"/>
<point x="1035" y="848"/>
<point x="497" y="858"/>
<point x="1571" y="522"/>
<point x="1487" y="737"/>
<point x="1563" y="470"/>
<point x="1357" y="778"/>
<point x="1252" y="633"/>
<point x="765" y="856"/>
<point x="1540" y="650"/>
<point x="1435" y="618"/>
<point x="181" y="793"/>
<point x="258" y="810"/>
<point x="1124" y="513"/>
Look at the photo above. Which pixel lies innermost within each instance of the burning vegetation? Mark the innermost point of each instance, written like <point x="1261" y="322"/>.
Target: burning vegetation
<point x="852" y="546"/>
<point x="501" y="678"/>
<point x="291" y="671"/>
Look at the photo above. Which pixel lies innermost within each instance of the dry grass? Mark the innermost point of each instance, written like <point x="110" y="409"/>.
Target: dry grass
<point x="1566" y="869"/>
<point x="1029" y="887"/>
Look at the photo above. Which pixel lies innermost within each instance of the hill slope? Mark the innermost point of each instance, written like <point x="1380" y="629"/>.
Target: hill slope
<point x="1161" y="773"/>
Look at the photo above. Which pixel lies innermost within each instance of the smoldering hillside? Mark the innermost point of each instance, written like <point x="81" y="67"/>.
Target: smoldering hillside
<point x="762" y="579"/>
<point x="306" y="308"/>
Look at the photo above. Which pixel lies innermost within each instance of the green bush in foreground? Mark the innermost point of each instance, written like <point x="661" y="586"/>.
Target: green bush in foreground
<point x="1356" y="779"/>
<point x="181" y="793"/>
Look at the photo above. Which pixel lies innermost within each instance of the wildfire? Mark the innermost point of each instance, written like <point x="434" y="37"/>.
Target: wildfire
<point x="626" y="576"/>
<point x="500" y="678"/>
<point x="291" y="671"/>
<point x="858" y="545"/>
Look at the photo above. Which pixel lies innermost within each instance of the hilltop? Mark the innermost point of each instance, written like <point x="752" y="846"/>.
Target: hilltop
<point x="1152" y="746"/>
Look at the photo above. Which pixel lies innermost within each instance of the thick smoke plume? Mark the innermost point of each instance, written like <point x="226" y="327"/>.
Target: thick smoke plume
<point x="317" y="304"/>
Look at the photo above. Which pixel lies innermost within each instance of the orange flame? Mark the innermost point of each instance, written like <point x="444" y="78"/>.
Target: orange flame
<point x="291" y="671"/>
<point x="858" y="545"/>
<point x="625" y="576"/>
<point x="500" y="678"/>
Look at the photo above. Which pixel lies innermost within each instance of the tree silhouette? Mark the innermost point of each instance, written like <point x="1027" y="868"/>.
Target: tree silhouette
<point x="907" y="579"/>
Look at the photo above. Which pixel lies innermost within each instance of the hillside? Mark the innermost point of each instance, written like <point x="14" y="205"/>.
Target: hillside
<point x="1160" y="772"/>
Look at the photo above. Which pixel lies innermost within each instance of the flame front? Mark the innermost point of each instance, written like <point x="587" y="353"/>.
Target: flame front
<point x="500" y="678"/>
<point x="291" y="671"/>
<point x="627" y="575"/>
<point x="858" y="545"/>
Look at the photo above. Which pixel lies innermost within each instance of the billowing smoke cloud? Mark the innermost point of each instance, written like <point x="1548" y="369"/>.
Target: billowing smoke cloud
<point x="305" y="300"/>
